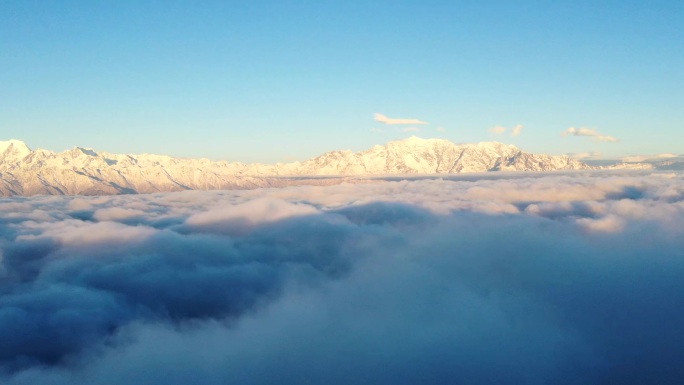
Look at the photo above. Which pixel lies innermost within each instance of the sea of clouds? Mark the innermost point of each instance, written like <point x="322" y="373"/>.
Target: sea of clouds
<point x="557" y="279"/>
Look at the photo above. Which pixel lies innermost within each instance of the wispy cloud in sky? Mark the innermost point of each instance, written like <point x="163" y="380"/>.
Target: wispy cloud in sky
<point x="411" y="129"/>
<point x="585" y="155"/>
<point x="583" y="131"/>
<point x="517" y="130"/>
<point x="500" y="130"/>
<point x="641" y="158"/>
<point x="394" y="121"/>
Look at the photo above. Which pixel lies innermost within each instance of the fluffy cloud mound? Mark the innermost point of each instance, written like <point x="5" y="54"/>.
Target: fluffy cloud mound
<point x="562" y="279"/>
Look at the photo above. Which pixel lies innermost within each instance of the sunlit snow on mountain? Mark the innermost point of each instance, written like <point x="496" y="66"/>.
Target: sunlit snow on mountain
<point x="82" y="171"/>
<point x="556" y="279"/>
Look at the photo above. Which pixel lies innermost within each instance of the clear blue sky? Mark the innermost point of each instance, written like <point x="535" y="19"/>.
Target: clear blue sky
<point x="281" y="80"/>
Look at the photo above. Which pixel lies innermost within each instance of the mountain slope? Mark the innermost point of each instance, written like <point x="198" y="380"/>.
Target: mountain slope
<point x="435" y="156"/>
<point x="84" y="171"/>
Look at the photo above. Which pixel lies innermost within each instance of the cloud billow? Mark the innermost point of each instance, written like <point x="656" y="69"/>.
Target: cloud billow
<point x="518" y="280"/>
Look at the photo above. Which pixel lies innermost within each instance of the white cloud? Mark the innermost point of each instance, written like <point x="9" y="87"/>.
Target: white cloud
<point x="80" y="204"/>
<point x="642" y="158"/>
<point x="440" y="129"/>
<point x="517" y="130"/>
<point x="116" y="213"/>
<point x="393" y="121"/>
<point x="607" y="224"/>
<point x="585" y="155"/>
<point x="411" y="129"/>
<point x="636" y="158"/>
<point x="583" y="131"/>
<point x="497" y="130"/>
<point x="240" y="218"/>
<point x="79" y="233"/>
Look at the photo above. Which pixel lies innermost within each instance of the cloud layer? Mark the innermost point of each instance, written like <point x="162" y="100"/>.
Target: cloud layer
<point x="509" y="279"/>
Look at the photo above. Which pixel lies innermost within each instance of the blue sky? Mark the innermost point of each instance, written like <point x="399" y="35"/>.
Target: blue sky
<point x="282" y="80"/>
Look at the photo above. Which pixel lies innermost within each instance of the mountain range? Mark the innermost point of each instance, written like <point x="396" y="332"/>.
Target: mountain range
<point x="83" y="171"/>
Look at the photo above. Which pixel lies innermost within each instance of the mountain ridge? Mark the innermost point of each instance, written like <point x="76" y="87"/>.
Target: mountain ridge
<point x="84" y="171"/>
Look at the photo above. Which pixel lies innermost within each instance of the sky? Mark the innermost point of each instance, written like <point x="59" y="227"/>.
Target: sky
<point x="275" y="81"/>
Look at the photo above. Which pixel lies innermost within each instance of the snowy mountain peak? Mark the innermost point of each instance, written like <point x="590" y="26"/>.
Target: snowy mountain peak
<point x="413" y="139"/>
<point x="85" y="171"/>
<point x="15" y="149"/>
<point x="495" y="145"/>
<point x="79" y="151"/>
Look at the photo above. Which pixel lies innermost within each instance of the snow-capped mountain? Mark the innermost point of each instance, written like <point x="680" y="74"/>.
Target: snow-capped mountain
<point x="84" y="171"/>
<point x="435" y="156"/>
